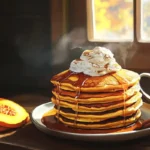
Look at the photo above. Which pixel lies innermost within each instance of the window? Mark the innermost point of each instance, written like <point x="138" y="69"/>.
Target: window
<point x="113" y="20"/>
<point x="143" y="20"/>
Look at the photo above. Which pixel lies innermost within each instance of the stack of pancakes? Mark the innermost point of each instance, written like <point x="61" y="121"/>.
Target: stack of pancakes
<point x="97" y="102"/>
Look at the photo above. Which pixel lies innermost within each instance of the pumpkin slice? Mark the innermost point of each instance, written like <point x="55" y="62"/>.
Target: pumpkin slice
<point x="12" y="115"/>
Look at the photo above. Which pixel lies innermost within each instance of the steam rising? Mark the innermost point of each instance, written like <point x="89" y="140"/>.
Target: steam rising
<point x="67" y="48"/>
<point x="123" y="52"/>
<point x="77" y="39"/>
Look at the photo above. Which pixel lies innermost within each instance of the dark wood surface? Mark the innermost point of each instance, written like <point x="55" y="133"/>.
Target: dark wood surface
<point x="29" y="137"/>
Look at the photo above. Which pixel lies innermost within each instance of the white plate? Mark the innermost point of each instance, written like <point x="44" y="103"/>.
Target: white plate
<point x="41" y="109"/>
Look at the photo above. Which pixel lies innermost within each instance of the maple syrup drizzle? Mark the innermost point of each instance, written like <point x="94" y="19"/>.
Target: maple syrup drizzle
<point x="58" y="91"/>
<point x="77" y="104"/>
<point x="124" y="105"/>
<point x="58" y="99"/>
<point x="124" y="83"/>
<point x="79" y="83"/>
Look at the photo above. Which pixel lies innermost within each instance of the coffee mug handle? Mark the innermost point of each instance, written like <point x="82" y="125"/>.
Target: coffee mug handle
<point x="144" y="93"/>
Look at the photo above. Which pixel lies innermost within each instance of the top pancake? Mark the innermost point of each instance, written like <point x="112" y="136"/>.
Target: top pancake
<point x="111" y="82"/>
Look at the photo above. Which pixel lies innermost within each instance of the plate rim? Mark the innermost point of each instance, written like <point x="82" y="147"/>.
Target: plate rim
<point x="110" y="135"/>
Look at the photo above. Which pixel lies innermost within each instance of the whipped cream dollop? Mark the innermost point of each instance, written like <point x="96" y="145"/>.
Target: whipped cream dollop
<point x="96" y="62"/>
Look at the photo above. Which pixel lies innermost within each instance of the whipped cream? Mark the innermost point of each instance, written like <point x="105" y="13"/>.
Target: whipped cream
<point x="96" y="62"/>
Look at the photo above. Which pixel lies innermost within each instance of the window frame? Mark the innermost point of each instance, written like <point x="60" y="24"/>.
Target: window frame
<point x="137" y="24"/>
<point x="91" y="26"/>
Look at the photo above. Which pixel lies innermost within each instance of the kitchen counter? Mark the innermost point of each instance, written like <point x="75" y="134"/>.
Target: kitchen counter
<point x="29" y="137"/>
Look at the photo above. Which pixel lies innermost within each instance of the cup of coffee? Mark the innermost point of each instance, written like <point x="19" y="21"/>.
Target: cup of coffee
<point x="144" y="93"/>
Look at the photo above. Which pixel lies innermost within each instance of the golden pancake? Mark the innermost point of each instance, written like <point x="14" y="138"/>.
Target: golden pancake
<point x="72" y="81"/>
<point x="89" y="98"/>
<point x="108" y="124"/>
<point x="103" y="125"/>
<point x="96" y="97"/>
<point x="98" y="106"/>
<point x="97" y="117"/>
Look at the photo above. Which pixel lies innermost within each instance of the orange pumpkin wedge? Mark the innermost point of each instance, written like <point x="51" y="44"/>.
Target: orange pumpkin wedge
<point x="12" y="115"/>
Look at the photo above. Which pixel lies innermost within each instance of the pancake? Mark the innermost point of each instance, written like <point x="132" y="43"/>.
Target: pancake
<point x="71" y="81"/>
<point x="96" y="93"/>
<point x="103" y="125"/>
<point x="96" y="97"/>
<point x="97" y="117"/>
<point x="107" y="124"/>
<point x="98" y="106"/>
<point x="88" y="98"/>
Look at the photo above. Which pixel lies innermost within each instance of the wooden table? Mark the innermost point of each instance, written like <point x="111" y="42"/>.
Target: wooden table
<point x="29" y="137"/>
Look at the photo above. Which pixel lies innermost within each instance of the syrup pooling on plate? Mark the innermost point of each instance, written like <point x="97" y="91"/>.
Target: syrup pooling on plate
<point x="50" y="122"/>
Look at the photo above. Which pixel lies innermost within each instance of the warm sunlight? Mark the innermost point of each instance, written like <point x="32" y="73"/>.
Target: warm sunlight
<point x="143" y="20"/>
<point x="112" y="20"/>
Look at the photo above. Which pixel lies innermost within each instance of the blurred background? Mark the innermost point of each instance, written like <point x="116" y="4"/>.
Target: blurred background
<point x="40" y="38"/>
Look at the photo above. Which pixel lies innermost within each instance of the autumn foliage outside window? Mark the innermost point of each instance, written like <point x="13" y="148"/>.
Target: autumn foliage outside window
<point x="113" y="20"/>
